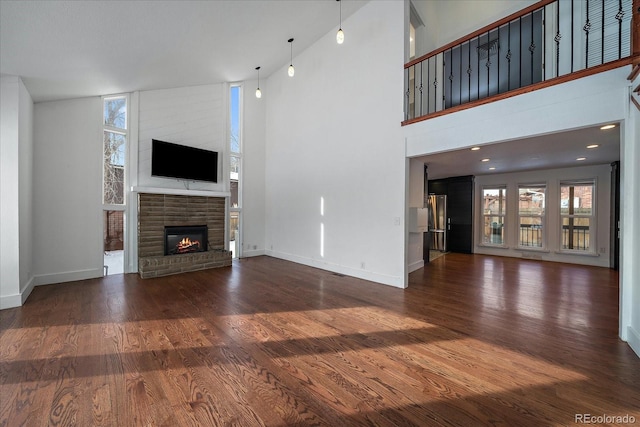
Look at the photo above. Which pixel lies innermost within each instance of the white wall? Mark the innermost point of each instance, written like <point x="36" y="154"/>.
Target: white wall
<point x="551" y="231"/>
<point x="25" y="184"/>
<point x="193" y="116"/>
<point x="333" y="135"/>
<point x="630" y="230"/>
<point x="593" y="100"/>
<point x="9" y="193"/>
<point x="67" y="193"/>
<point x="16" y="192"/>
<point x="253" y="169"/>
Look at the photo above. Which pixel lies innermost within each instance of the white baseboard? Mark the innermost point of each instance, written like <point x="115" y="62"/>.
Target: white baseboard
<point x="397" y="282"/>
<point x="249" y="254"/>
<point x="633" y="339"/>
<point x="67" y="276"/>
<point x="10" y="301"/>
<point x="16" y="300"/>
<point x="416" y="266"/>
<point x="26" y="291"/>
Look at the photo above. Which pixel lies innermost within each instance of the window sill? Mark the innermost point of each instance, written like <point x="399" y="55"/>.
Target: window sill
<point x="527" y="249"/>
<point x="589" y="254"/>
<point x="485" y="245"/>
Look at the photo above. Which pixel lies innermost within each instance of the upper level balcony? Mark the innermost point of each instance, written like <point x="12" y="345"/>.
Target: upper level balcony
<point x="550" y="42"/>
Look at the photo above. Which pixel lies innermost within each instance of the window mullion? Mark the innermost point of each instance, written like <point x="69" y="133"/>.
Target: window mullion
<point x="112" y="129"/>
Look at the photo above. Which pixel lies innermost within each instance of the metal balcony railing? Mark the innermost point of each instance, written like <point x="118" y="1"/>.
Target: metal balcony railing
<point x="530" y="236"/>
<point x="573" y="237"/>
<point x="550" y="39"/>
<point x="576" y="237"/>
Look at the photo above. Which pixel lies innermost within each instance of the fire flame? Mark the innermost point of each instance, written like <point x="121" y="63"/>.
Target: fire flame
<point x="186" y="244"/>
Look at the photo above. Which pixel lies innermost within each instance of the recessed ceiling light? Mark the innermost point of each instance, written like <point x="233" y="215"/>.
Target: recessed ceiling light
<point x="492" y="168"/>
<point x="581" y="159"/>
<point x="605" y="127"/>
<point x="485" y="160"/>
<point x="593" y="146"/>
<point x="475" y="148"/>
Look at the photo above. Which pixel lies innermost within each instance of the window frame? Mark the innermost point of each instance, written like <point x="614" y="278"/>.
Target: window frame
<point x="119" y="131"/>
<point x="592" y="217"/>
<point x="236" y="210"/>
<point x="503" y="215"/>
<point x="542" y="217"/>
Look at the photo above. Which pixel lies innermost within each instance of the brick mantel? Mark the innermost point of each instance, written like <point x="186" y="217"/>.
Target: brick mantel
<point x="155" y="211"/>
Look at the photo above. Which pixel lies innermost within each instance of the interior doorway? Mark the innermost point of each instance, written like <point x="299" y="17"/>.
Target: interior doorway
<point x="113" y="241"/>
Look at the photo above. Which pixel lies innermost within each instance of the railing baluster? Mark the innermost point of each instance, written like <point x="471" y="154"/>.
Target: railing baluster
<point x="428" y="109"/>
<point x="544" y="42"/>
<point x="498" y="59"/>
<point x="557" y="39"/>
<point x="451" y="77"/>
<point x="488" y="64"/>
<point x="435" y="80"/>
<point x="572" y="56"/>
<point x="460" y="75"/>
<point x="619" y="17"/>
<point x="532" y="48"/>
<point x="406" y="95"/>
<point x="586" y="28"/>
<point x="421" y="70"/>
<point x="509" y="59"/>
<point x="469" y="70"/>
<point x="478" y="66"/>
<point x="602" y="39"/>
<point x="520" y="52"/>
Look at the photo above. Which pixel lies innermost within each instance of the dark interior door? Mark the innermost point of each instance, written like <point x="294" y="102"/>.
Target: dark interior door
<point x="459" y="192"/>
<point x="460" y="213"/>
<point x="614" y="231"/>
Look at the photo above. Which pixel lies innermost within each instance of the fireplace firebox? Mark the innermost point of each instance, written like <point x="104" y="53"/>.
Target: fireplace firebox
<point x="185" y="239"/>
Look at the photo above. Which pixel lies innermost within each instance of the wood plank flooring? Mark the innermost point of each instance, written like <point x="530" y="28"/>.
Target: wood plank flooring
<point x="475" y="340"/>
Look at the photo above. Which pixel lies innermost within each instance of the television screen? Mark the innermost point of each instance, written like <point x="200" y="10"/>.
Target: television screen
<point x="182" y="162"/>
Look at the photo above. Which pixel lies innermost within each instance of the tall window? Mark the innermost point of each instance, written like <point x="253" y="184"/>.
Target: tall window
<point x="114" y="149"/>
<point x="531" y="203"/>
<point x="577" y="215"/>
<point x="235" y="165"/>
<point x="494" y="209"/>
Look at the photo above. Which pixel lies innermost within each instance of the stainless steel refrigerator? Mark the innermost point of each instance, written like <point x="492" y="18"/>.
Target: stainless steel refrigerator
<point x="438" y="222"/>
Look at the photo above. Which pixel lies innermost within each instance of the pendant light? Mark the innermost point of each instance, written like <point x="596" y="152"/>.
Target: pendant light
<point x="291" y="71"/>
<point x="258" y="91"/>
<point x="340" y="34"/>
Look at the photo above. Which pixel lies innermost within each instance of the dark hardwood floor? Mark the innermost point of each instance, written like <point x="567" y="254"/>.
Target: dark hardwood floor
<point x="475" y="340"/>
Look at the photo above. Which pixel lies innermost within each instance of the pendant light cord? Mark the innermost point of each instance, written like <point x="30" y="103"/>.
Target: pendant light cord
<point x="291" y="45"/>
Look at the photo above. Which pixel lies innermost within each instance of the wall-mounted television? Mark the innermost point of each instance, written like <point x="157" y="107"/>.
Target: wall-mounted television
<point x="171" y="160"/>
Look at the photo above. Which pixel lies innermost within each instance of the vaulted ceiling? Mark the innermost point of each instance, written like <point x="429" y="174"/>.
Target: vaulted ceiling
<point x="70" y="49"/>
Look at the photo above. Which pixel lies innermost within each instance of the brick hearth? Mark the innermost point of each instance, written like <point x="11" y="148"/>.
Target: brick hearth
<point x="155" y="211"/>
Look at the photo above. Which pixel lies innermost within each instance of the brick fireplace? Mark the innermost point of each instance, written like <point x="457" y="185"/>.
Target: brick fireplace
<point x="157" y="211"/>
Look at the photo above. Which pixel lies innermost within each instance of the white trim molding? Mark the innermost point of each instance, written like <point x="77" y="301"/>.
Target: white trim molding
<point x="67" y="276"/>
<point x="178" y="191"/>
